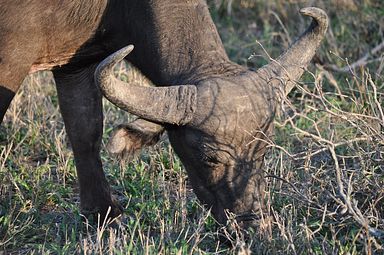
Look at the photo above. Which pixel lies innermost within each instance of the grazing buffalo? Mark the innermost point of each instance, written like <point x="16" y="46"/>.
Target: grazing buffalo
<point x="217" y="114"/>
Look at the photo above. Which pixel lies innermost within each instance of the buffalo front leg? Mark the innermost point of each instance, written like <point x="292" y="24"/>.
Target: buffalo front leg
<point x="11" y="76"/>
<point x="6" y="97"/>
<point x="81" y="106"/>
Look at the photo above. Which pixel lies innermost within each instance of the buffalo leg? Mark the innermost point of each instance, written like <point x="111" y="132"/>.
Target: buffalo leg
<point x="11" y="77"/>
<point x="15" y="64"/>
<point x="6" y="96"/>
<point x="81" y="106"/>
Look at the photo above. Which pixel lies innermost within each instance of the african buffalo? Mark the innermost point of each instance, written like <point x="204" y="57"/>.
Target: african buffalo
<point x="217" y="113"/>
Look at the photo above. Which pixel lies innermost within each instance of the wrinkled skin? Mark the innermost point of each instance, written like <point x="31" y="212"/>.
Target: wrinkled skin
<point x="217" y="113"/>
<point x="223" y="147"/>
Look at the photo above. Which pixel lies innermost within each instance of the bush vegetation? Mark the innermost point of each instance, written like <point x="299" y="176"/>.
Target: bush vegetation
<point x="324" y="168"/>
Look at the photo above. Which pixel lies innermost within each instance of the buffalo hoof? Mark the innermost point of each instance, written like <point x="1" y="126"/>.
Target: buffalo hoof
<point x="104" y="215"/>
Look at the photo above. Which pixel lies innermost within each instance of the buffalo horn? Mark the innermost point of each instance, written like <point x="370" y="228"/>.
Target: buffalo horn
<point x="171" y="105"/>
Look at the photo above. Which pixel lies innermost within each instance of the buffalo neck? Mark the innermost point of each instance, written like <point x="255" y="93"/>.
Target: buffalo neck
<point x="176" y="41"/>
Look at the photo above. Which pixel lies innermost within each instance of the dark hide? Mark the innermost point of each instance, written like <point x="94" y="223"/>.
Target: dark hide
<point x="6" y="98"/>
<point x="230" y="109"/>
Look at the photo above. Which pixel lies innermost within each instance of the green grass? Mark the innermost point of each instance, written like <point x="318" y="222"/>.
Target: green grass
<point x="38" y="186"/>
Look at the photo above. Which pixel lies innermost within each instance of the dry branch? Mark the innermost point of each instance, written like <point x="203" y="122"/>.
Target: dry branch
<point x="359" y="63"/>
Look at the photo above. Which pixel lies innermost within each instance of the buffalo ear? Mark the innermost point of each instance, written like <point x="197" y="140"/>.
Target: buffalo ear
<point x="128" y="140"/>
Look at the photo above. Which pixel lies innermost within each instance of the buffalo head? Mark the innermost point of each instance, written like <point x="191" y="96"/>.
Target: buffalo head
<point x="219" y="125"/>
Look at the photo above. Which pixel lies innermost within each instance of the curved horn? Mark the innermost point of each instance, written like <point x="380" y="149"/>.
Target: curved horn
<point x="289" y="67"/>
<point x="172" y="105"/>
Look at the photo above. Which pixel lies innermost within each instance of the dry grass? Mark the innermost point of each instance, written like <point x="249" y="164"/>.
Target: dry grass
<point x="325" y="167"/>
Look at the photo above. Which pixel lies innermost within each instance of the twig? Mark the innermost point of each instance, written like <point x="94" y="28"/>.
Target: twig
<point x="282" y="26"/>
<point x="314" y="204"/>
<point x="359" y="139"/>
<point x="378" y="104"/>
<point x="353" y="210"/>
<point x="361" y="62"/>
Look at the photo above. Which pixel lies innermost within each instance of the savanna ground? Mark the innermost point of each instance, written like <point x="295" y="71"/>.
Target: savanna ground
<point x="324" y="169"/>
